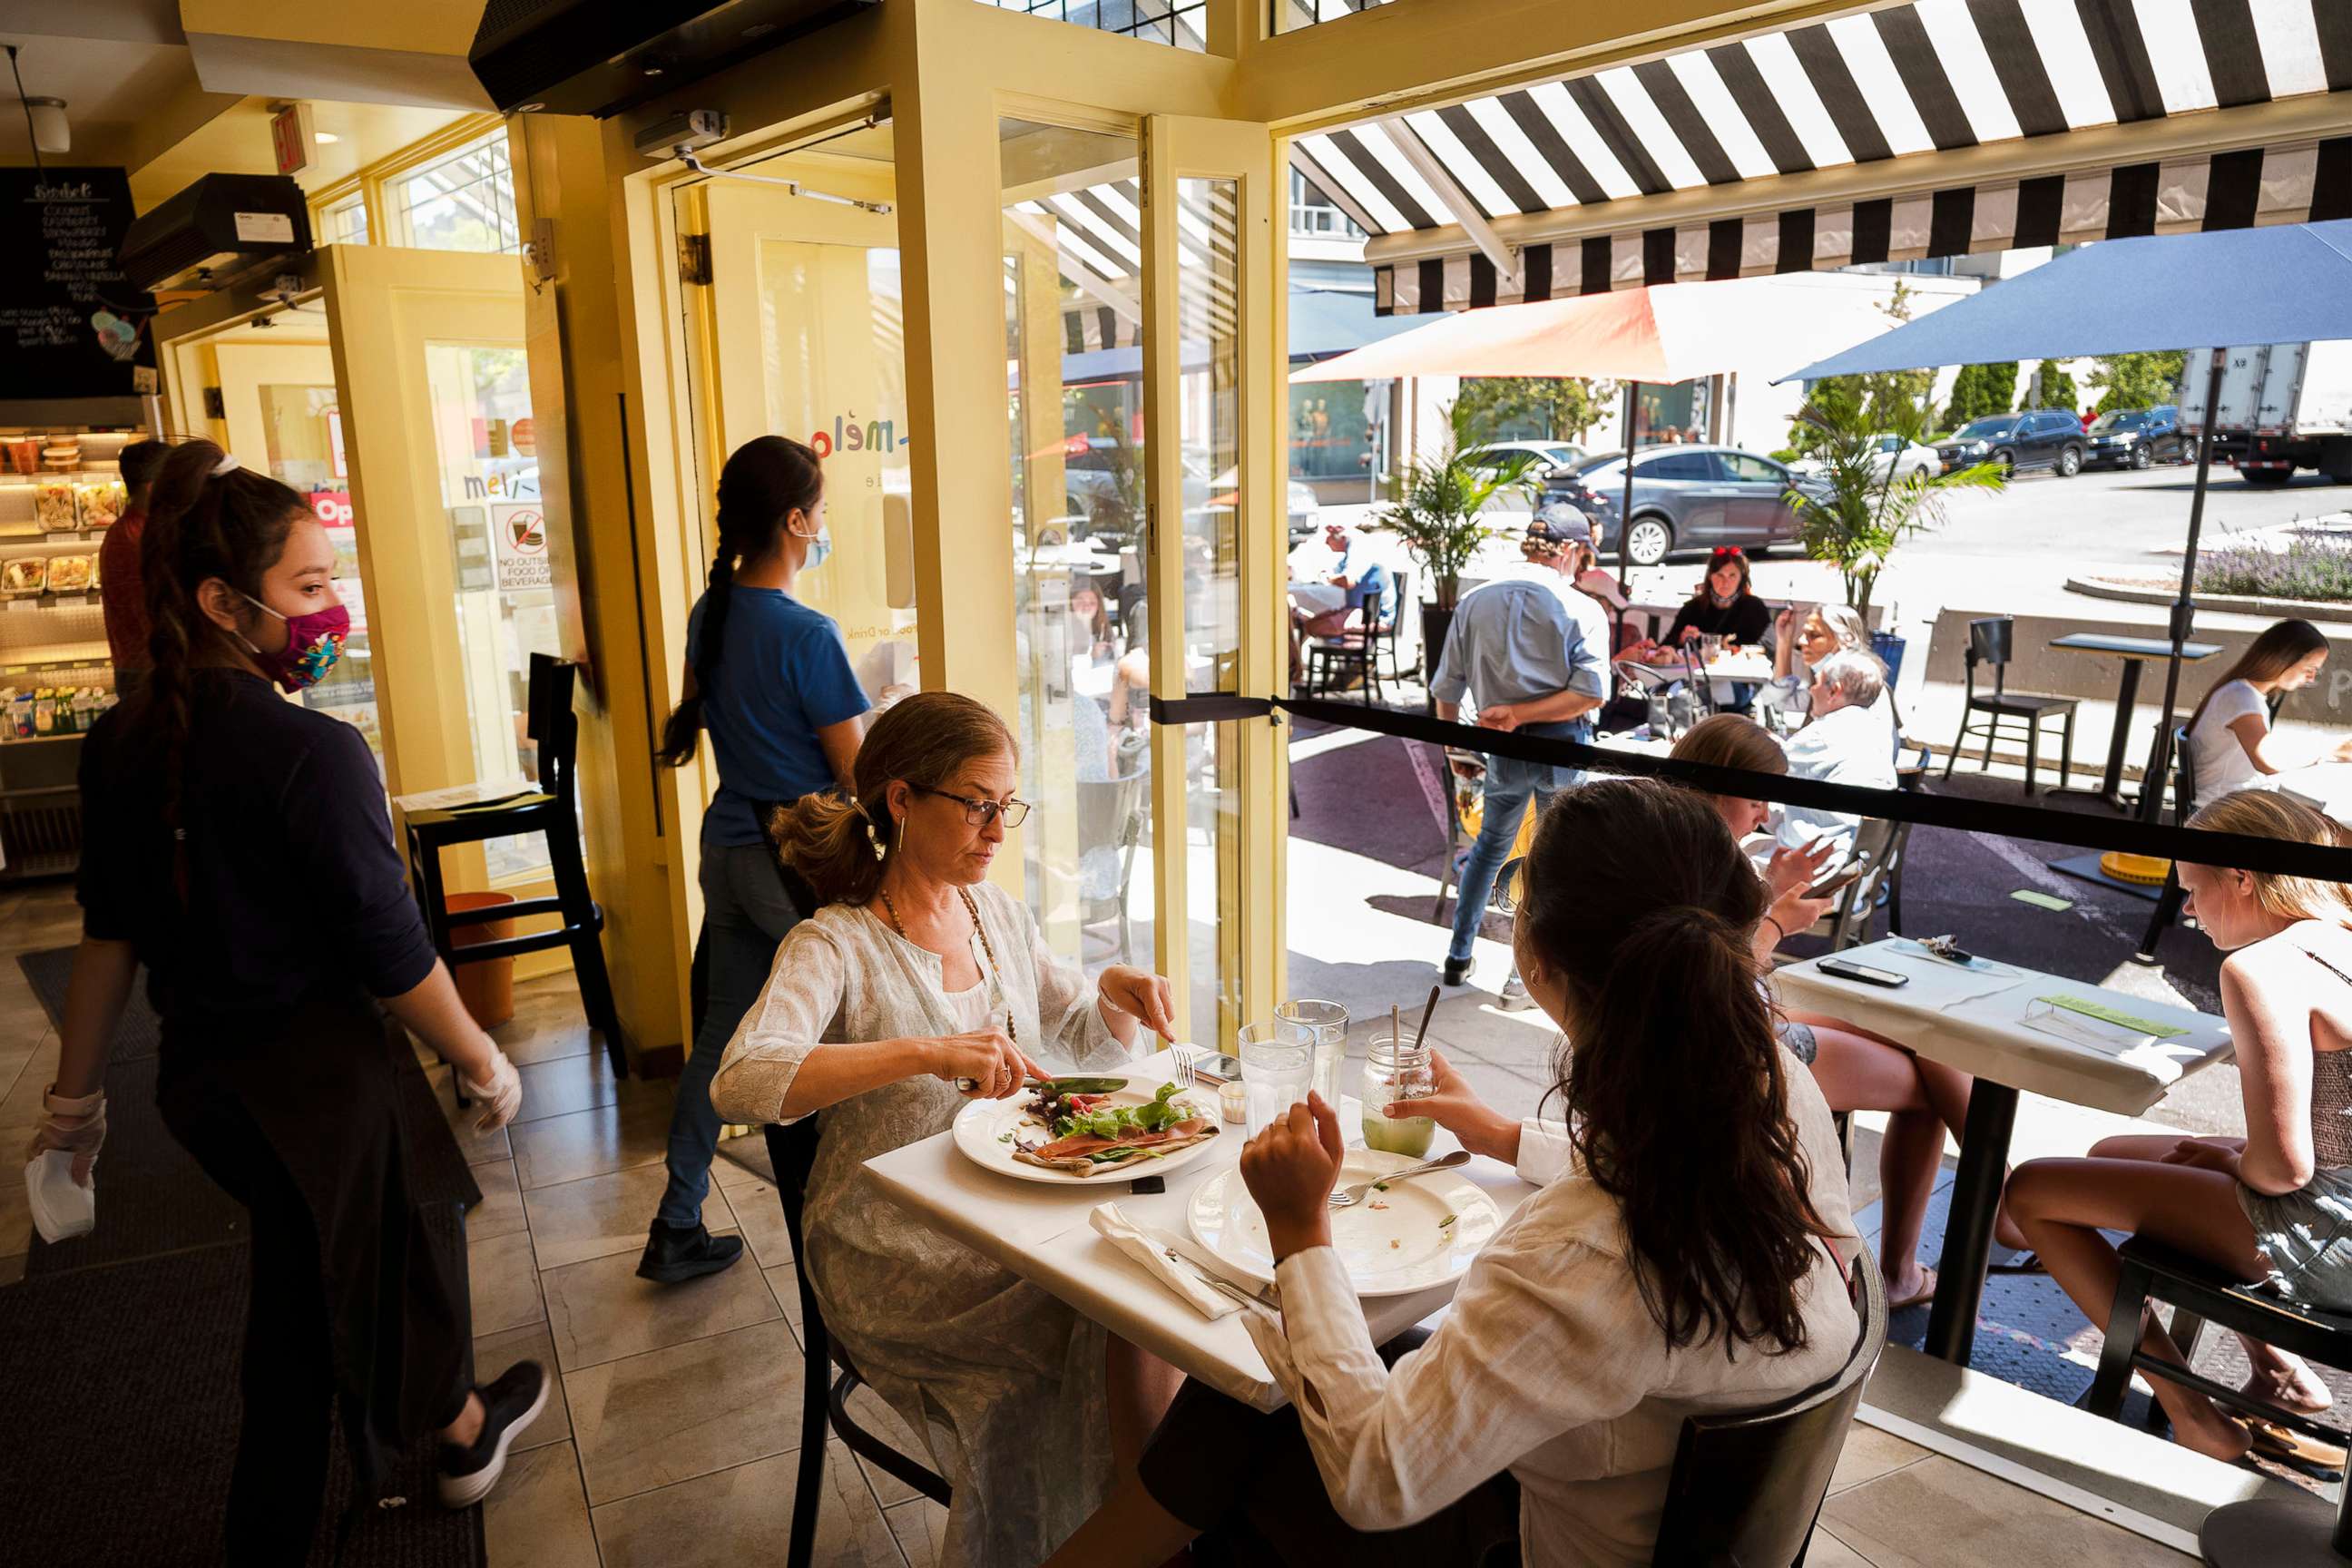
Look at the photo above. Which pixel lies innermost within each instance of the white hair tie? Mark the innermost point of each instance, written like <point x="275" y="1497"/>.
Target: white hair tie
<point x="227" y="465"/>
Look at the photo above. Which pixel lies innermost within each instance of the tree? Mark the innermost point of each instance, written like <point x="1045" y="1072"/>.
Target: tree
<point x="1439" y="499"/>
<point x="2057" y="388"/>
<point x="1882" y="400"/>
<point x="1561" y="407"/>
<point x="2138" y="380"/>
<point x="1979" y="390"/>
<point x="1859" y="512"/>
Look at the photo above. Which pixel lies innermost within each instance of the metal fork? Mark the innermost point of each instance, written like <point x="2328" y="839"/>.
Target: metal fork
<point x="1350" y="1196"/>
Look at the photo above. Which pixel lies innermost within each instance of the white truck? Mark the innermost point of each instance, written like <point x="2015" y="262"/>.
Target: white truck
<point x="2283" y="407"/>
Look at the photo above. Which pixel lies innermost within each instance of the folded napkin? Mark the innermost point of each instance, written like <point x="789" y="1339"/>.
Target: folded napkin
<point x="1123" y="1233"/>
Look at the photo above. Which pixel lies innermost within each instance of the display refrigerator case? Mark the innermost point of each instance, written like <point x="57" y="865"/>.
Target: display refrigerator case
<point x="60" y="489"/>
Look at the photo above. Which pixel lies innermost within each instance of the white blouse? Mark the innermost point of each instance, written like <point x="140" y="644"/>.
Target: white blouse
<point x="1548" y="1365"/>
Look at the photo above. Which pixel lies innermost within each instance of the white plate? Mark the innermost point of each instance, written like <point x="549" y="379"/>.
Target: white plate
<point x="980" y="1128"/>
<point x="1407" y="1244"/>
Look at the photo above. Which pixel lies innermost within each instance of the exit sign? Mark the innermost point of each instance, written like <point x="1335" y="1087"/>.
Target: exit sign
<point x="290" y="135"/>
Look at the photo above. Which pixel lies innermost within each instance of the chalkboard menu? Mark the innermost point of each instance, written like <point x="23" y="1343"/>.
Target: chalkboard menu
<point x="71" y="324"/>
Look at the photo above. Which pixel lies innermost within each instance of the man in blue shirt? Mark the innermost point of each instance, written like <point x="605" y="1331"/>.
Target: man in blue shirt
<point x="1357" y="592"/>
<point x="1518" y="650"/>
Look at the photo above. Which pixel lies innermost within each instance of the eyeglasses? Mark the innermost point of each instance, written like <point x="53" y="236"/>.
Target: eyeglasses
<point x="980" y="812"/>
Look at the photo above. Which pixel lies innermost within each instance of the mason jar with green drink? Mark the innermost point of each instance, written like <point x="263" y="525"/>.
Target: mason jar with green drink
<point x="1398" y="1068"/>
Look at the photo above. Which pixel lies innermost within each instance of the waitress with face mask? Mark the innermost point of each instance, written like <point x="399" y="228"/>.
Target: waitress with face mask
<point x="237" y="846"/>
<point x="769" y="678"/>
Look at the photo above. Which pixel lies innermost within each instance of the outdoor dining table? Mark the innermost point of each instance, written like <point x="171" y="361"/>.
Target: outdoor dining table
<point x="1998" y="1022"/>
<point x="1041" y="1231"/>
<point x="2325" y="787"/>
<point x="2134" y="652"/>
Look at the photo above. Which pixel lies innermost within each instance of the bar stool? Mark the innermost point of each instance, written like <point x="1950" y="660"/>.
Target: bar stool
<point x="552" y="811"/>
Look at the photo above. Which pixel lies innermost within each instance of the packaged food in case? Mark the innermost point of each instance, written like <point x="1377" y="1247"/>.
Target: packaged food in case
<point x="98" y="503"/>
<point x="68" y="573"/>
<point x="23" y="576"/>
<point x="53" y="505"/>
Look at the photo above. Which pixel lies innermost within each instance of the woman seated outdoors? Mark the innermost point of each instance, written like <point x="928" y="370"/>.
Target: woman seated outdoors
<point x="1857" y="1069"/>
<point x="1798" y="644"/>
<point x="1653" y="1277"/>
<point x="1725" y="607"/>
<point x="2230" y="743"/>
<point x="918" y="972"/>
<point x="2274" y="1205"/>
<point x="1849" y="739"/>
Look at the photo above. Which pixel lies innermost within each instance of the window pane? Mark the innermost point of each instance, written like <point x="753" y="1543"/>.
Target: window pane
<point x="462" y="201"/>
<point x="1748" y="469"/>
<point x="1677" y="466"/>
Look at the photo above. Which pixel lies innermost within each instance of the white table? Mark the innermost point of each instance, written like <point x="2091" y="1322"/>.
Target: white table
<point x="2325" y="787"/>
<point x="1975" y="1019"/>
<point x="1041" y="1233"/>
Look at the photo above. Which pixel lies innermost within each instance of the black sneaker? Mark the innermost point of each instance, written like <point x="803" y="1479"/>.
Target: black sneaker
<point x="674" y="1252"/>
<point x="1457" y="970"/>
<point x="508" y="1404"/>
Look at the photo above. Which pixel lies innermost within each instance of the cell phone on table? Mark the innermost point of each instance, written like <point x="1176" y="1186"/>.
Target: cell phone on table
<point x="1844" y="877"/>
<point x="1846" y="969"/>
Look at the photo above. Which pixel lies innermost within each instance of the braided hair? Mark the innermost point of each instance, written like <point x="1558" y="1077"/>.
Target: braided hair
<point x="202" y="524"/>
<point x="767" y="479"/>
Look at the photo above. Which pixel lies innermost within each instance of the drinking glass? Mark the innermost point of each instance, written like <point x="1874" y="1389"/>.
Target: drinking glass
<point x="1277" y="1069"/>
<point x="1397" y="1067"/>
<point x="1328" y="1020"/>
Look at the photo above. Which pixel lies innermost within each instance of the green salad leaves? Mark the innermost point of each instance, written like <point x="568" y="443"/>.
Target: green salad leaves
<point x="1155" y="1115"/>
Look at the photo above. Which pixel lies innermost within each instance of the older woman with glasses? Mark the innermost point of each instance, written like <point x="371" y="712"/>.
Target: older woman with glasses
<point x="918" y="985"/>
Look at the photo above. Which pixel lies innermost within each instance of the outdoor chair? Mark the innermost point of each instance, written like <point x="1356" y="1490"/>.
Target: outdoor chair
<point x="1879" y="844"/>
<point x="828" y="1377"/>
<point x="2184" y="806"/>
<point x="1991" y="641"/>
<point x="2263" y="1532"/>
<point x="1110" y="815"/>
<point x="1354" y="653"/>
<point x="551" y="811"/>
<point x="1456" y="841"/>
<point x="1747" y="1487"/>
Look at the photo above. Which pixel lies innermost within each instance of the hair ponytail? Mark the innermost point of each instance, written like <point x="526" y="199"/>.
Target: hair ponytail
<point x="1637" y="897"/>
<point x="766" y="481"/>
<point x="843" y="846"/>
<point x="202" y="524"/>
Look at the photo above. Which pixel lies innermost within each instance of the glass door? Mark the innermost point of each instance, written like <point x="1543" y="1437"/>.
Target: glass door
<point x="432" y="427"/>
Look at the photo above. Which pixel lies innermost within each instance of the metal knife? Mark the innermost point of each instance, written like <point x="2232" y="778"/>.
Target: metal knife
<point x="1059" y="1085"/>
<point x="1263" y="1295"/>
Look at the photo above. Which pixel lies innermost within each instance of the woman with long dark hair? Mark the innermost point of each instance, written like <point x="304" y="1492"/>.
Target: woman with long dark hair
<point x="919" y="984"/>
<point x="769" y="678"/>
<point x="1684" y="1257"/>
<point x="2229" y="741"/>
<point x="1725" y="605"/>
<point x="237" y="845"/>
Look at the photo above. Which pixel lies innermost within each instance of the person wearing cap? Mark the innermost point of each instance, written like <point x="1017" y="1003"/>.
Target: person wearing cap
<point x="1531" y="654"/>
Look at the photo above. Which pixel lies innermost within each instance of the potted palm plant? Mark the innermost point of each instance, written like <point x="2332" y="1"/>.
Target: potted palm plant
<point x="1437" y="499"/>
<point x="1853" y="512"/>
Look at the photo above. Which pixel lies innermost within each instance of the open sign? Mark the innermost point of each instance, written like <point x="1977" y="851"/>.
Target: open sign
<point x="332" y="507"/>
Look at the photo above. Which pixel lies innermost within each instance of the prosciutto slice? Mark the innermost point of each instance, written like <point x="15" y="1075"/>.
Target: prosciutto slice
<point x="1077" y="1151"/>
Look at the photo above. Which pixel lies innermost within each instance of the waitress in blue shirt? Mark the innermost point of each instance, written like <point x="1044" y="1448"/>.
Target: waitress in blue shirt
<point x="770" y="679"/>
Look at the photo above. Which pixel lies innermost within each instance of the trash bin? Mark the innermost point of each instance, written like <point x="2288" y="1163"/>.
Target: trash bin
<point x="487" y="988"/>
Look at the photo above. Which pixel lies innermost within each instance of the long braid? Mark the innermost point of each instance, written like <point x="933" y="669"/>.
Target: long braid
<point x="765" y="481"/>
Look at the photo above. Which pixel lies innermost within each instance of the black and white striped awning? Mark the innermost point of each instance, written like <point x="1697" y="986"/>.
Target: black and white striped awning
<point x="1934" y="128"/>
<point x="1097" y="235"/>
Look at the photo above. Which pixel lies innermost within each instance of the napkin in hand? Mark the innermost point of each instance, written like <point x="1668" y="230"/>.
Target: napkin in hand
<point x="1123" y="1233"/>
<point x="62" y="1207"/>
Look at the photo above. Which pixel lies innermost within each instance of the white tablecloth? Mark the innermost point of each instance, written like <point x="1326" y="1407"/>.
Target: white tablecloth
<point x="2323" y="786"/>
<point x="1975" y="1019"/>
<point x="1041" y="1233"/>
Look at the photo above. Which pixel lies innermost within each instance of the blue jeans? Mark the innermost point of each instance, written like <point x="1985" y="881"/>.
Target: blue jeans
<point x="1511" y="786"/>
<point x="745" y="914"/>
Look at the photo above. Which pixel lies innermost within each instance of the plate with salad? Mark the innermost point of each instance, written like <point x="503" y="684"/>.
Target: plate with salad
<point x="1072" y="1130"/>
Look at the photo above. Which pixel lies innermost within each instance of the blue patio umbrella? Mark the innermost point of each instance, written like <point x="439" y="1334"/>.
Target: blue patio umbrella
<point x="2292" y="283"/>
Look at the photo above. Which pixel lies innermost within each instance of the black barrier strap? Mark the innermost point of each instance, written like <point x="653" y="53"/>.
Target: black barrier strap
<point x="2199" y="845"/>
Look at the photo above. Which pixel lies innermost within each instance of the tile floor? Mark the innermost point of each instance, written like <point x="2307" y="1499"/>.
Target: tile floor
<point x="673" y="1440"/>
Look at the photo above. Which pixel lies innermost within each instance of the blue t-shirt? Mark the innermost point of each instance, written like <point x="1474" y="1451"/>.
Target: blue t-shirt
<point x="783" y="675"/>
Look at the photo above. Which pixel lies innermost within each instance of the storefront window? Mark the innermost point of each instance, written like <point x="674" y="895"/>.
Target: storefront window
<point x="483" y="432"/>
<point x="1331" y="438"/>
<point x="1669" y="414"/>
<point x="1073" y="376"/>
<point x="463" y="201"/>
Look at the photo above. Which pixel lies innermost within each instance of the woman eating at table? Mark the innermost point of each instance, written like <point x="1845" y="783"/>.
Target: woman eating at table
<point x="1725" y="607"/>
<point x="1683" y="1256"/>
<point x="2274" y="1205"/>
<point x="916" y="973"/>
<point x="1857" y="1069"/>
<point x="1798" y="644"/>
<point x="2231" y="743"/>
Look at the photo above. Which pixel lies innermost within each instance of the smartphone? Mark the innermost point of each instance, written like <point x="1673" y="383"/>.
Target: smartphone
<point x="1845" y="969"/>
<point x="1844" y="877"/>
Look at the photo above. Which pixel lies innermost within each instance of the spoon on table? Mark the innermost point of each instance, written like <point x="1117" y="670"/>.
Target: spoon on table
<point x="1347" y="1197"/>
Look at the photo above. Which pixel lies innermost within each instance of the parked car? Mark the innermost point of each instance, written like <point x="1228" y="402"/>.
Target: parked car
<point x="2031" y="438"/>
<point x="1684" y="498"/>
<point x="1096" y="479"/>
<point x="2136" y="437"/>
<point x="1544" y="456"/>
<point x="1904" y="459"/>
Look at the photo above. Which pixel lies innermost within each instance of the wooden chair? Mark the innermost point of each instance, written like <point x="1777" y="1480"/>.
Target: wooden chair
<point x="1990" y="641"/>
<point x="2184" y="806"/>
<point x="828" y="1377"/>
<point x="552" y="811"/>
<point x="2260" y="1531"/>
<point x="1747" y="1488"/>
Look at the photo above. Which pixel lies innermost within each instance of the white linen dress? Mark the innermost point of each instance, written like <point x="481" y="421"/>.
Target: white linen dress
<point x="1003" y="1381"/>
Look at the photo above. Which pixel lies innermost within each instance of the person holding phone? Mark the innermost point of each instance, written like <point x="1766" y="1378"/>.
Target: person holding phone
<point x="1857" y="1068"/>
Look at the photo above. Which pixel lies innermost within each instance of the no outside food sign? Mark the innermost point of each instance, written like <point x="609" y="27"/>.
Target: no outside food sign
<point x="519" y="542"/>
